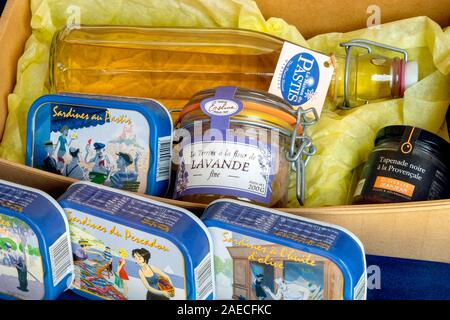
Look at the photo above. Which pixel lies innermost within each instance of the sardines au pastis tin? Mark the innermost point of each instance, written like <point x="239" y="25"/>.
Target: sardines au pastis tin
<point x="128" y="247"/>
<point x="266" y="254"/>
<point x="35" y="251"/>
<point x="120" y="142"/>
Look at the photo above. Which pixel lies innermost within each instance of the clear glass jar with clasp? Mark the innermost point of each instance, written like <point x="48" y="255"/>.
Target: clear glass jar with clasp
<point x="245" y="159"/>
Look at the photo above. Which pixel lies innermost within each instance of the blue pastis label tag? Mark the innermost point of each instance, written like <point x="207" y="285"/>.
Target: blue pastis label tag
<point x="302" y="77"/>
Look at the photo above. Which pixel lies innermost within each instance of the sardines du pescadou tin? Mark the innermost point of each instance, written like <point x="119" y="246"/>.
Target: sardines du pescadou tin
<point x="127" y="247"/>
<point x="264" y="254"/>
<point x="35" y="251"/>
<point x="125" y="143"/>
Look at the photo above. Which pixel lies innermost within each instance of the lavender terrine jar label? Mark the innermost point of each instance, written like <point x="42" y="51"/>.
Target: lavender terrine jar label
<point x="228" y="168"/>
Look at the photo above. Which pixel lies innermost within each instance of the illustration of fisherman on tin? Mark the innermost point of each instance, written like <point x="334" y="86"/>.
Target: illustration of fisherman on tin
<point x="102" y="164"/>
<point x="259" y="287"/>
<point x="106" y="263"/>
<point x="18" y="261"/>
<point x="73" y="169"/>
<point x="82" y="253"/>
<point x="49" y="163"/>
<point x="124" y="178"/>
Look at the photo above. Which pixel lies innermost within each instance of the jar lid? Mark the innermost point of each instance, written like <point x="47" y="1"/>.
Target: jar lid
<point x="433" y="142"/>
<point x="257" y="100"/>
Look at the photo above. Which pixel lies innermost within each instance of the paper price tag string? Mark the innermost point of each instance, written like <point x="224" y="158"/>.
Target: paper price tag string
<point x="302" y="148"/>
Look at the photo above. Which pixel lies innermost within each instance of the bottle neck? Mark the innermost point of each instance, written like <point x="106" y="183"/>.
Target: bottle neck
<point x="370" y="77"/>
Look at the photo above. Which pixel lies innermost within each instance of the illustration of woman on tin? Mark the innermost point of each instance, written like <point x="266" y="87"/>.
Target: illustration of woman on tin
<point x="122" y="272"/>
<point x="62" y="145"/>
<point x="158" y="284"/>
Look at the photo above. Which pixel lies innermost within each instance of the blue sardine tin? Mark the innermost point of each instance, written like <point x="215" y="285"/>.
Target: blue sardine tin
<point x="127" y="247"/>
<point x="35" y="252"/>
<point x="264" y="254"/>
<point x="125" y="143"/>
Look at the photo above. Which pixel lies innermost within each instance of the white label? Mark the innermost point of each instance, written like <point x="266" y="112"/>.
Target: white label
<point x="60" y="259"/>
<point x="243" y="168"/>
<point x="302" y="77"/>
<point x="221" y="107"/>
<point x="164" y="157"/>
<point x="204" y="278"/>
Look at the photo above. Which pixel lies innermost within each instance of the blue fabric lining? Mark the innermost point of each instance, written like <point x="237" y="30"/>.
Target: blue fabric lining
<point x="401" y="279"/>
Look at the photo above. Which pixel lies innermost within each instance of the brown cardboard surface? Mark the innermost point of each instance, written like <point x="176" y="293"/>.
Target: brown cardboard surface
<point x="55" y="185"/>
<point x="323" y="16"/>
<point x="418" y="230"/>
<point x="14" y="31"/>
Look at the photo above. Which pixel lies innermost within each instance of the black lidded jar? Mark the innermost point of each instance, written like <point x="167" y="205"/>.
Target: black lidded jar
<point x="407" y="164"/>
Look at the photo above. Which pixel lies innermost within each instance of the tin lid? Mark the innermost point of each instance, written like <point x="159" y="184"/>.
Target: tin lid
<point x="276" y="228"/>
<point x="429" y="141"/>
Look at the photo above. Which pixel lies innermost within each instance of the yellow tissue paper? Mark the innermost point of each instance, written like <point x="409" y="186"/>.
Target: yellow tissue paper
<point x="48" y="16"/>
<point x="344" y="139"/>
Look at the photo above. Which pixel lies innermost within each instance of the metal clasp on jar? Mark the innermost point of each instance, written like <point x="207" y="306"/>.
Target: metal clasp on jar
<point x="302" y="148"/>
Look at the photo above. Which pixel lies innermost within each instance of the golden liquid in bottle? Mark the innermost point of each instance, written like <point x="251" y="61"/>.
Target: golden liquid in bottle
<point x="371" y="77"/>
<point x="172" y="64"/>
<point x="154" y="63"/>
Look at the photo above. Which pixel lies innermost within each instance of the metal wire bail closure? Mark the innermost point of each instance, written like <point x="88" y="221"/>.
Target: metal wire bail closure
<point x="302" y="148"/>
<point x="368" y="45"/>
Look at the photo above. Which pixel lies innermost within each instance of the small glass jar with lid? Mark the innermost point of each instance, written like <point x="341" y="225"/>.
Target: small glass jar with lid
<point x="407" y="164"/>
<point x="234" y="145"/>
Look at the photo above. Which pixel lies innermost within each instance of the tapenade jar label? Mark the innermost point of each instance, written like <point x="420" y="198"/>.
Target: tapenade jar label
<point x="405" y="169"/>
<point x="402" y="178"/>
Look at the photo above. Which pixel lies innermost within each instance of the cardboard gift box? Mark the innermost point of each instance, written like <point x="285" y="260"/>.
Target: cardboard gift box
<point x="418" y="230"/>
